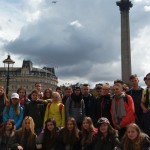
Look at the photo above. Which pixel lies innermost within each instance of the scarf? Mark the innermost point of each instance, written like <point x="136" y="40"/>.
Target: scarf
<point x="118" y="108"/>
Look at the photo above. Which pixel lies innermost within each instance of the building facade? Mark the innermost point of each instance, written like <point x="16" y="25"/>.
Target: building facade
<point x="27" y="76"/>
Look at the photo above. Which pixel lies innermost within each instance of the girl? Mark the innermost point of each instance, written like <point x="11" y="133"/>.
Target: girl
<point x="69" y="136"/>
<point x="122" y="109"/>
<point x="47" y="94"/>
<point x="26" y="136"/>
<point x="3" y="102"/>
<point x="56" y="110"/>
<point x="47" y="139"/>
<point x="134" y="139"/>
<point x="22" y="97"/>
<point x="14" y="111"/>
<point x="8" y="137"/>
<point x="88" y="134"/>
<point x="107" y="137"/>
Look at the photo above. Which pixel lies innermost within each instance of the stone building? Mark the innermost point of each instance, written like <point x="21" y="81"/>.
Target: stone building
<point x="27" y="76"/>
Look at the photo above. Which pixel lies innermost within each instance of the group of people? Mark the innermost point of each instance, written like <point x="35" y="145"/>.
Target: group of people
<point x="111" y="118"/>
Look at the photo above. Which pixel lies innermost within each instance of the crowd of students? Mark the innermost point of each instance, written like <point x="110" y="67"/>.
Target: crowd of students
<point x="113" y="118"/>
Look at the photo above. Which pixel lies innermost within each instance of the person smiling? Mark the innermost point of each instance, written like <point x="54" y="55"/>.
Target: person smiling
<point x="135" y="139"/>
<point x="107" y="136"/>
<point x="14" y="111"/>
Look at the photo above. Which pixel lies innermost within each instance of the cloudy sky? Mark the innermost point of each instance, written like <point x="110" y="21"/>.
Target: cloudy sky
<point x="80" y="38"/>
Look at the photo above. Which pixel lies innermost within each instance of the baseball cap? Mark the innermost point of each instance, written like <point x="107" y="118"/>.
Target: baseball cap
<point x="14" y="95"/>
<point x="103" y="120"/>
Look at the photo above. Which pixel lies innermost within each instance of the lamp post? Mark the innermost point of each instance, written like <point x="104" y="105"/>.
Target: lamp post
<point x="7" y="62"/>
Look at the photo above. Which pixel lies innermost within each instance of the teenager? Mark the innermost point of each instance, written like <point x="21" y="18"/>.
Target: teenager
<point x="47" y="95"/>
<point x="103" y="104"/>
<point x="23" y="98"/>
<point x="56" y="110"/>
<point x="26" y="136"/>
<point x="14" y="111"/>
<point x="107" y="136"/>
<point x="136" y="93"/>
<point x="134" y="139"/>
<point x="67" y="93"/>
<point x="89" y="101"/>
<point x="38" y="87"/>
<point x="3" y="102"/>
<point x="7" y="136"/>
<point x="35" y="109"/>
<point x="69" y="137"/>
<point x="48" y="138"/>
<point x="122" y="109"/>
<point x="145" y="105"/>
<point x="88" y="133"/>
<point x="75" y="106"/>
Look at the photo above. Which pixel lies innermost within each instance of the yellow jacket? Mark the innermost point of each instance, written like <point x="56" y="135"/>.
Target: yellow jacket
<point x="53" y="111"/>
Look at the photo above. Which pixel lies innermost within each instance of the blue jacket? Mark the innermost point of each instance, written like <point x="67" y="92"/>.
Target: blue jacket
<point x="12" y="115"/>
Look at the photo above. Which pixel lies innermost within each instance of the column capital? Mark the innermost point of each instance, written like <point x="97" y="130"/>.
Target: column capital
<point x="124" y="5"/>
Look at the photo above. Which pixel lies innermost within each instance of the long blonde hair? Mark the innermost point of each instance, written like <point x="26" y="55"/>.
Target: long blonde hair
<point x="32" y="125"/>
<point x="31" y="130"/>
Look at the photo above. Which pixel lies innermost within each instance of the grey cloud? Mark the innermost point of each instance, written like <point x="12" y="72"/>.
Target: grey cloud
<point x="52" y="41"/>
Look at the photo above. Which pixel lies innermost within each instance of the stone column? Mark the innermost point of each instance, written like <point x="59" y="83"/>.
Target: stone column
<point x="125" y="5"/>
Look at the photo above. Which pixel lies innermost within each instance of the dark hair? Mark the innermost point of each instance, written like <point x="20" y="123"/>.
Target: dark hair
<point x="37" y="83"/>
<point x="44" y="94"/>
<point x="34" y="91"/>
<point x="3" y="129"/>
<point x="119" y="85"/>
<point x="147" y="75"/>
<point x="21" y="88"/>
<point x="98" y="87"/>
<point x="50" y="135"/>
<point x="73" y="137"/>
<point x="118" y="81"/>
<point x="144" y="78"/>
<point x="133" y="76"/>
<point x="58" y="88"/>
<point x="67" y="88"/>
<point x="77" y="87"/>
<point x="103" y="120"/>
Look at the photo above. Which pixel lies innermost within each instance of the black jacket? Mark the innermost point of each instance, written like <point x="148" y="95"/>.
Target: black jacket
<point x="36" y="110"/>
<point x="109" y="143"/>
<point x="103" y="105"/>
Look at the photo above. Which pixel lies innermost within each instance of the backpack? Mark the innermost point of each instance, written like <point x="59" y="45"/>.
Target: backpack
<point x="60" y="107"/>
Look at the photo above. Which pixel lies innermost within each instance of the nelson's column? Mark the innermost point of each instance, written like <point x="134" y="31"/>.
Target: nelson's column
<point x="125" y="6"/>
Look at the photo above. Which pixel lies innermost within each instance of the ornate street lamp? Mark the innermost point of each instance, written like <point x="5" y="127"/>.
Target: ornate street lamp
<point x="7" y="64"/>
